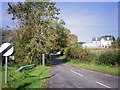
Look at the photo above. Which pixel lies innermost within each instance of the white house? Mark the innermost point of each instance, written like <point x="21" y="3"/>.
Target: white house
<point x="96" y="40"/>
<point x="100" y="42"/>
<point x="106" y="41"/>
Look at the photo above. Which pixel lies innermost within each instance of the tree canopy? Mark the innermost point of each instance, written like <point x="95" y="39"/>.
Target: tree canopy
<point x="40" y="30"/>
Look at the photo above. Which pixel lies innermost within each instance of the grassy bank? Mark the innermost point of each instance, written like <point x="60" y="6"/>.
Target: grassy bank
<point x="91" y="66"/>
<point x="30" y="78"/>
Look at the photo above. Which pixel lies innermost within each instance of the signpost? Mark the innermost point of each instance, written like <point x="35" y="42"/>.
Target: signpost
<point x="43" y="59"/>
<point x="6" y="49"/>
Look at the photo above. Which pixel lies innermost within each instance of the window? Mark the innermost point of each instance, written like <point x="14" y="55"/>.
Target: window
<point x="107" y="38"/>
<point x="105" y="46"/>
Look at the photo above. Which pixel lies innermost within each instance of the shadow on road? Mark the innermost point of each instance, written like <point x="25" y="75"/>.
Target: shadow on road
<point x="50" y="76"/>
<point x="55" y="59"/>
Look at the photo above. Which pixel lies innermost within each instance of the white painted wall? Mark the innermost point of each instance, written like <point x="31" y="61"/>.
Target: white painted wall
<point x="91" y="45"/>
<point x="104" y="43"/>
<point x="96" y="42"/>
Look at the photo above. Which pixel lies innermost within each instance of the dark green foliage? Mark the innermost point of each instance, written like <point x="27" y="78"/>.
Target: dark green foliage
<point x="116" y="43"/>
<point x="76" y="51"/>
<point x="109" y="58"/>
<point x="90" y="57"/>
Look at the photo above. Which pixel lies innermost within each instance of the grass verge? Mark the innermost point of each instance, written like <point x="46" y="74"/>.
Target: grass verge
<point x="36" y="77"/>
<point x="92" y="66"/>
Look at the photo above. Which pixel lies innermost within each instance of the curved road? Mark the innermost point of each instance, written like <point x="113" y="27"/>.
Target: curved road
<point x="65" y="76"/>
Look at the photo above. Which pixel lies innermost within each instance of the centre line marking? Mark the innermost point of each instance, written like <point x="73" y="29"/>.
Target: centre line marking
<point x="103" y="84"/>
<point x="76" y="73"/>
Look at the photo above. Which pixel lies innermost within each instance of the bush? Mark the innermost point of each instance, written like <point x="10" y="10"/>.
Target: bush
<point x="76" y="52"/>
<point x="109" y="58"/>
<point x="90" y="57"/>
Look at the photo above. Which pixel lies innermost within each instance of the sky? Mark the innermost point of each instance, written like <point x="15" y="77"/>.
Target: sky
<point x="90" y="19"/>
<point x="84" y="19"/>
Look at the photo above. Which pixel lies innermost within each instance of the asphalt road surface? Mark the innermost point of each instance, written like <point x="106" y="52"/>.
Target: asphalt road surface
<point x="65" y="76"/>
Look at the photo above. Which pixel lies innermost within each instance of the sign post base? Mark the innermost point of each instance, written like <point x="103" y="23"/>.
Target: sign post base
<point x="6" y="69"/>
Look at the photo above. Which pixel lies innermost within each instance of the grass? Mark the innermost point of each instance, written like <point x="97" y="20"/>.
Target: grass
<point x="30" y="78"/>
<point x="92" y="66"/>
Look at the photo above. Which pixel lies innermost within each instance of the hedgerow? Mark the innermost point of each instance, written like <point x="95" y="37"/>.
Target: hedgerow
<point x="110" y="58"/>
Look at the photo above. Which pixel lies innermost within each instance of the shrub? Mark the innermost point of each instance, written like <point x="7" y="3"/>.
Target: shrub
<point x="76" y="52"/>
<point x="109" y="58"/>
<point x="90" y="57"/>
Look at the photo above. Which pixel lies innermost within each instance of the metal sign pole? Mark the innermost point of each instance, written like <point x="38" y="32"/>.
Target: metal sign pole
<point x="43" y="59"/>
<point x="6" y="69"/>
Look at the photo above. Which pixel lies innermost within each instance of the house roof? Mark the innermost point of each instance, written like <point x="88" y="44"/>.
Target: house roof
<point x="107" y="37"/>
<point x="96" y="39"/>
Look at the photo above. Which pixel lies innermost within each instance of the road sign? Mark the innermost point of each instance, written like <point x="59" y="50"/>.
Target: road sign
<point x="6" y="49"/>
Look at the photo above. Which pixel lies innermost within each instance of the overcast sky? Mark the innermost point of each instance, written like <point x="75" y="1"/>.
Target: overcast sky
<point x="84" y="19"/>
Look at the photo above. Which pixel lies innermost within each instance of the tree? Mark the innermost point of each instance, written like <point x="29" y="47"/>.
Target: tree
<point x="118" y="40"/>
<point x="35" y="19"/>
<point x="73" y="39"/>
<point x="40" y="30"/>
<point x="116" y="43"/>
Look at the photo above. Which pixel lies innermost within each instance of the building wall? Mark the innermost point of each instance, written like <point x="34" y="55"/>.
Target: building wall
<point x="105" y="44"/>
<point x="99" y="44"/>
<point x="90" y="45"/>
<point x="96" y="42"/>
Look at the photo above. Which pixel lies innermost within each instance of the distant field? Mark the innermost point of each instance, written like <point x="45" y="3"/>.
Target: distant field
<point x="31" y="78"/>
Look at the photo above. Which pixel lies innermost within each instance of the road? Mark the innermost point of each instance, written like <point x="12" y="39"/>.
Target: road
<point x="65" y="76"/>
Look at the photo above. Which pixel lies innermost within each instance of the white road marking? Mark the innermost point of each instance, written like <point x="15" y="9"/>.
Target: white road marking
<point x="77" y="73"/>
<point x="79" y="87"/>
<point x="103" y="84"/>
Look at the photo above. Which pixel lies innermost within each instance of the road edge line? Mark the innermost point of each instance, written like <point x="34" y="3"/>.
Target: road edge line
<point x="102" y="84"/>
<point x="76" y="73"/>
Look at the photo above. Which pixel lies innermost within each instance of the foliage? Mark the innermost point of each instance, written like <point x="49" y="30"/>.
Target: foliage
<point x="6" y="35"/>
<point x="116" y="43"/>
<point x="91" y="57"/>
<point x="40" y="30"/>
<point x="34" y="19"/>
<point x="103" y="57"/>
<point x="113" y="70"/>
<point x="73" y="39"/>
<point x="118" y="40"/>
<point x="109" y="58"/>
<point x="76" y="51"/>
